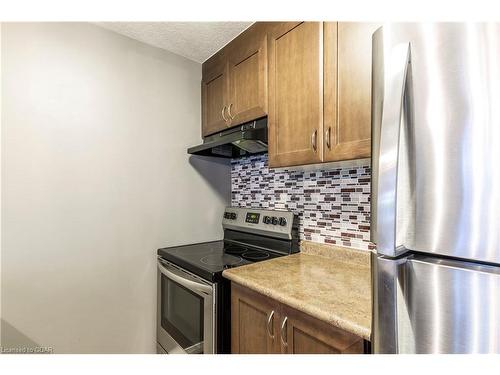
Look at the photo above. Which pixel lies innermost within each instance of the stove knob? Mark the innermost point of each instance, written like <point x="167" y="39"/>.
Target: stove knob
<point x="267" y="220"/>
<point x="282" y="221"/>
<point x="233" y="216"/>
<point x="275" y="220"/>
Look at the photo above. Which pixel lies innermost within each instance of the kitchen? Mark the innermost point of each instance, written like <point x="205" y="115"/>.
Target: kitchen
<point x="294" y="187"/>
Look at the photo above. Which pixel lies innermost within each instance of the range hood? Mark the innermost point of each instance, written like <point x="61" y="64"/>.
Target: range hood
<point x="249" y="138"/>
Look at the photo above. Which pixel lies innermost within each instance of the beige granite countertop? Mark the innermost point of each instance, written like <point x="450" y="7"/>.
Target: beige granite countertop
<point x="330" y="283"/>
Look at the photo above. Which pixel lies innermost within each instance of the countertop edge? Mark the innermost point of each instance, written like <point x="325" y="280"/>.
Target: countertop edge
<point x="332" y="319"/>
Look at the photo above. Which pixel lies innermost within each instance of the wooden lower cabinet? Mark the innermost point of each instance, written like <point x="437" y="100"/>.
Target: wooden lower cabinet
<point x="303" y="334"/>
<point x="254" y="322"/>
<point x="261" y="325"/>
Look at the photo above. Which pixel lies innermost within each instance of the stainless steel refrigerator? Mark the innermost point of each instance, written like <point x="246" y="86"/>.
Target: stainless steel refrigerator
<point x="436" y="188"/>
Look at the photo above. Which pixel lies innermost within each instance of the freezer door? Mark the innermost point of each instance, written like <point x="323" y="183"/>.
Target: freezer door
<point x="436" y="140"/>
<point x="429" y="305"/>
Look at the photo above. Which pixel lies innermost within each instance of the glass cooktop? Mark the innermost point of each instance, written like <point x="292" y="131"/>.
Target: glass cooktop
<point x="209" y="259"/>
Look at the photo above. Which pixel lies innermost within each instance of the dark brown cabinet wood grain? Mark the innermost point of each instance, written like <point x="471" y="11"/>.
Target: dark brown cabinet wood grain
<point x="254" y="319"/>
<point x="295" y="119"/>
<point x="248" y="76"/>
<point x="234" y="82"/>
<point x="312" y="80"/>
<point x="348" y="56"/>
<point x="304" y="334"/>
<point x="214" y="94"/>
<point x="319" y="92"/>
<point x="261" y="325"/>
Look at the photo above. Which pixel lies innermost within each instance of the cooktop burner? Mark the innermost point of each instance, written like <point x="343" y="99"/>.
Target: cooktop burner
<point x="255" y="255"/>
<point x="221" y="260"/>
<point x="246" y="252"/>
<point x="235" y="249"/>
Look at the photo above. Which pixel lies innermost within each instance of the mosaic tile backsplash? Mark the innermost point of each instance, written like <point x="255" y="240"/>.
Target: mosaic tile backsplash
<point x="333" y="205"/>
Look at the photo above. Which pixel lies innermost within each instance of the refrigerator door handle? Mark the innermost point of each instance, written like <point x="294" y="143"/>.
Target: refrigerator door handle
<point x="395" y="78"/>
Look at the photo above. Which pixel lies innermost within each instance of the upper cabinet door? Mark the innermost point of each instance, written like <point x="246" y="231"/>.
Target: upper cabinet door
<point x="295" y="119"/>
<point x="248" y="76"/>
<point x="348" y="98"/>
<point x="213" y="95"/>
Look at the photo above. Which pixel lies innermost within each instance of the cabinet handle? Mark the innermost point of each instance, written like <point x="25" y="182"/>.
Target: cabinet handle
<point x="314" y="138"/>
<point x="269" y="320"/>
<point x="222" y="113"/>
<point x="328" y="135"/>
<point x="283" y="329"/>
<point x="229" y="111"/>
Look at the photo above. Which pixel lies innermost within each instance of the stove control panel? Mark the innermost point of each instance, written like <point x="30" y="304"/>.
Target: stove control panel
<point x="252" y="217"/>
<point x="230" y="215"/>
<point x="272" y="223"/>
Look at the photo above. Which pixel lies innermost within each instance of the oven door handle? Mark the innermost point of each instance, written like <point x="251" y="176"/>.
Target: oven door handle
<point x="184" y="279"/>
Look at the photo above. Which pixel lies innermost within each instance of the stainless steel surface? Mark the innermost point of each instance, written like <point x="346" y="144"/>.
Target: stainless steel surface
<point x="270" y="230"/>
<point x="441" y="306"/>
<point x="168" y="343"/>
<point x="453" y="134"/>
<point x="237" y="141"/>
<point x="436" y="188"/>
<point x="328" y="136"/>
<point x="394" y="87"/>
<point x="283" y="336"/>
<point x="183" y="278"/>
<point x="385" y="290"/>
<point x="222" y="113"/>
<point x="198" y="286"/>
<point x="376" y="113"/>
<point x="314" y="137"/>
<point x="270" y="320"/>
<point x="195" y="349"/>
<point x="160" y="350"/>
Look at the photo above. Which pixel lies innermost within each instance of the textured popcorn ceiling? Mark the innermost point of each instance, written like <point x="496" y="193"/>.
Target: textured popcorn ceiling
<point x="195" y="40"/>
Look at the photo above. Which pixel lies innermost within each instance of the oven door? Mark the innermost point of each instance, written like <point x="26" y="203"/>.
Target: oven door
<point x="186" y="311"/>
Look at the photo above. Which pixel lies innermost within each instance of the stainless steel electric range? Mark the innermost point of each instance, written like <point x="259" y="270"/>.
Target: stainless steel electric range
<point x="194" y="314"/>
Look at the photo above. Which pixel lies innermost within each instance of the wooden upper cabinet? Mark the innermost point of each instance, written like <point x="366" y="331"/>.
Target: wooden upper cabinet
<point x="234" y="82"/>
<point x="248" y="76"/>
<point x="295" y="120"/>
<point x="312" y="79"/>
<point x="254" y="322"/>
<point x="214" y="94"/>
<point x="348" y="56"/>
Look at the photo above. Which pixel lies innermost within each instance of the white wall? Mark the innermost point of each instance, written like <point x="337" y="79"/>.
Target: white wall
<point x="95" y="178"/>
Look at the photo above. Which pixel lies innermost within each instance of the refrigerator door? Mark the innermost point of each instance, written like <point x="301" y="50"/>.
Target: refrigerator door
<point x="436" y="140"/>
<point x="427" y="305"/>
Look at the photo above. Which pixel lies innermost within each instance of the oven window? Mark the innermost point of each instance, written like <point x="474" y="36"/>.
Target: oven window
<point x="181" y="313"/>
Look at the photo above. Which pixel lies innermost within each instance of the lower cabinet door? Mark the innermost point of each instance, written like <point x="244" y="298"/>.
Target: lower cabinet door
<point x="303" y="334"/>
<point x="261" y="325"/>
<point x="254" y="320"/>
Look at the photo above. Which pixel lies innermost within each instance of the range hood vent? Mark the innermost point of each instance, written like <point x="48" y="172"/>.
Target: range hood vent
<point x="249" y="138"/>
